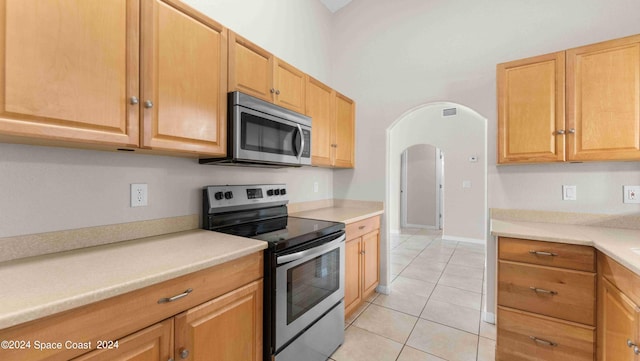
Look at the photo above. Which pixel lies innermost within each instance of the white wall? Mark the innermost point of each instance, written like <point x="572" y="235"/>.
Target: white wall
<point x="391" y="56"/>
<point x="48" y="189"/>
<point x="297" y="31"/>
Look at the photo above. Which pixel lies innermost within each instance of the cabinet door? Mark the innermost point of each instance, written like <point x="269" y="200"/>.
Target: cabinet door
<point x="344" y="138"/>
<point x="154" y="343"/>
<point x="371" y="260"/>
<point x="184" y="78"/>
<point x="250" y="68"/>
<point x="352" y="275"/>
<point x="228" y="328"/>
<point x="290" y="86"/>
<point x="68" y="68"/>
<point x="531" y="110"/>
<point x="603" y="100"/>
<point x="618" y="319"/>
<point x="319" y="107"/>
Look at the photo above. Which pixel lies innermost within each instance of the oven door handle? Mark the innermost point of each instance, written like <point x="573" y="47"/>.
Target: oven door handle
<point x="316" y="250"/>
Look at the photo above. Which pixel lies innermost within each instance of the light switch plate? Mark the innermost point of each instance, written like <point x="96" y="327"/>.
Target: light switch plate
<point x="631" y="194"/>
<point x="569" y="193"/>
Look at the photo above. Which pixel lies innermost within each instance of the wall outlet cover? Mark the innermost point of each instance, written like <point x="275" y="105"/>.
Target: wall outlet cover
<point x="569" y="193"/>
<point x="139" y="195"/>
<point x="631" y="194"/>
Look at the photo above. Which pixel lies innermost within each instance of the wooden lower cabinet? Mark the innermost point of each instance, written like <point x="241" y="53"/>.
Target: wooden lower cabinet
<point x="217" y="315"/>
<point x="545" y="313"/>
<point x="618" y="312"/>
<point x="362" y="262"/>
<point x="529" y="336"/>
<point x="228" y="328"/>
<point x="151" y="344"/>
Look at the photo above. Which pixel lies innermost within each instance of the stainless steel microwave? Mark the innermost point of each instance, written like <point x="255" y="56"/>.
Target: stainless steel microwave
<point x="264" y="134"/>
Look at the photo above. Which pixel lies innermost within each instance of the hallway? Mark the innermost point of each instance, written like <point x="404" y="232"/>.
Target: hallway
<point x="434" y="310"/>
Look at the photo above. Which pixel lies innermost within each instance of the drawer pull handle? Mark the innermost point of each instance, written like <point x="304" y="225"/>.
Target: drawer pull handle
<point x="176" y="297"/>
<point x="542" y="290"/>
<point x="630" y="344"/>
<point x="544" y="342"/>
<point x="361" y="227"/>
<point x="541" y="253"/>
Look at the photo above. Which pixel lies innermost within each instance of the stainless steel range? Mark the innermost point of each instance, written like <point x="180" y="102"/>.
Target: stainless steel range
<point x="304" y="268"/>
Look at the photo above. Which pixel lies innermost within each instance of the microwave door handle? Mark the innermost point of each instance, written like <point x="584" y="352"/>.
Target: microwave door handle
<point x="301" y="141"/>
<point x="319" y="250"/>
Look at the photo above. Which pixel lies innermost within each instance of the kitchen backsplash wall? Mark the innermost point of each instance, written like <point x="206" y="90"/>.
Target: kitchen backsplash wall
<point x="392" y="58"/>
<point x="45" y="189"/>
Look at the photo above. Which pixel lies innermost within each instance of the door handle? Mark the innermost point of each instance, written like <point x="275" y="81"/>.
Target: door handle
<point x="316" y="250"/>
<point x="301" y="142"/>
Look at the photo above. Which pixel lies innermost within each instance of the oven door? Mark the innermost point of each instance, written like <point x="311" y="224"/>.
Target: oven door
<point x="263" y="137"/>
<point x="308" y="284"/>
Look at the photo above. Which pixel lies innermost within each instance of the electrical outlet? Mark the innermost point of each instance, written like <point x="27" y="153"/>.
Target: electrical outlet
<point x="315" y="187"/>
<point x="139" y="195"/>
<point x="631" y="194"/>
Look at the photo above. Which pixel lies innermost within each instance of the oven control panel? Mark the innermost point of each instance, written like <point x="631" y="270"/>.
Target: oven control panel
<point x="217" y="198"/>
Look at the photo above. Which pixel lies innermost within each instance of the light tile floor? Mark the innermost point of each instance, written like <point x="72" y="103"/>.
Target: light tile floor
<point x="433" y="312"/>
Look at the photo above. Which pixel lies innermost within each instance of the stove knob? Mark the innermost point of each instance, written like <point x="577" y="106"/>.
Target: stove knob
<point x="277" y="192"/>
<point x="270" y="192"/>
<point x="283" y="191"/>
<point x="218" y="196"/>
<point x="228" y="195"/>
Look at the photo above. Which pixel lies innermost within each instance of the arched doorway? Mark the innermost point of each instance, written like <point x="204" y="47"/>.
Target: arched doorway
<point x="461" y="133"/>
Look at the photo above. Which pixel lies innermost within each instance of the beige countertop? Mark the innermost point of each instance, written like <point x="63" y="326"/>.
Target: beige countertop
<point x="614" y="242"/>
<point x="39" y="286"/>
<point x="342" y="211"/>
<point x="343" y="214"/>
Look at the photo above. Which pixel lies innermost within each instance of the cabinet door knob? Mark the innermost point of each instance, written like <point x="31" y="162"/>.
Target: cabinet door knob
<point x="560" y="131"/>
<point x="572" y="131"/>
<point x="272" y="90"/>
<point x="636" y="350"/>
<point x="148" y="104"/>
<point x="134" y="100"/>
<point x="184" y="353"/>
<point x="277" y="92"/>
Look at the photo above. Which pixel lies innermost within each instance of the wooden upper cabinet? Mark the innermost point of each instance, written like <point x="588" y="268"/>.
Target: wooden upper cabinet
<point x="603" y="107"/>
<point x="68" y="69"/>
<point x="319" y="106"/>
<point x="333" y="121"/>
<point x="290" y="86"/>
<point x="250" y="68"/>
<point x="184" y="80"/>
<point x="531" y="109"/>
<point x="257" y="72"/>
<point x="344" y="134"/>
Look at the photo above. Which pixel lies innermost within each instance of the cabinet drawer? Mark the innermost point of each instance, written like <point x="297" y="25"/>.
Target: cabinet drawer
<point x="357" y="229"/>
<point x="547" y="253"/>
<point x="529" y="287"/>
<point x="524" y="336"/>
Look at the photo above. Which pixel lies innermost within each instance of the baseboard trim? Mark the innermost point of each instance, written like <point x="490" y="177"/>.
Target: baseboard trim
<point x="489" y="317"/>
<point x="383" y="289"/>
<point x="394" y="231"/>
<point x="463" y="239"/>
<point x="420" y="226"/>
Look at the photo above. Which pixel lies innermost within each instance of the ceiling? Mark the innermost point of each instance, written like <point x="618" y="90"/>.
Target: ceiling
<point x="335" y="5"/>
